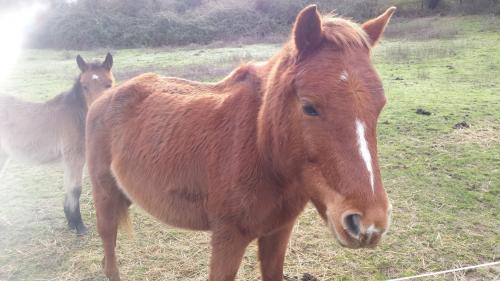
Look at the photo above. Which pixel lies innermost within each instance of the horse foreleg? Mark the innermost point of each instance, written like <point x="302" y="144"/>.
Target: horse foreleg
<point x="228" y="248"/>
<point x="272" y="249"/>
<point x="73" y="172"/>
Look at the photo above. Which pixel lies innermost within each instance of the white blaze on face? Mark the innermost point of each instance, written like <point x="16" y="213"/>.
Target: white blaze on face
<point x="343" y="75"/>
<point x="364" y="151"/>
<point x="95" y="77"/>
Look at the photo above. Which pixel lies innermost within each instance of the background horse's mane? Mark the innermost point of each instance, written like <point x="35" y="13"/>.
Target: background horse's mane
<point x="72" y="99"/>
<point x="344" y="33"/>
<point x="75" y="96"/>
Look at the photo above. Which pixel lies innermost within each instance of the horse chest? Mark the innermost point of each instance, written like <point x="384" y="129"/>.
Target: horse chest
<point x="268" y="211"/>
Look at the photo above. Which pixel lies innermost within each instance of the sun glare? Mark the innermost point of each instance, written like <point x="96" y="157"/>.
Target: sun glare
<point x="14" y="24"/>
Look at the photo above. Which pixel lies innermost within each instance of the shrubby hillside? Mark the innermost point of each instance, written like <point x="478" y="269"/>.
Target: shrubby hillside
<point x="84" y="24"/>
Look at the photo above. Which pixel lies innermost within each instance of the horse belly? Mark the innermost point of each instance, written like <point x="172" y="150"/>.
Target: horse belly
<point x="159" y="157"/>
<point x="178" y="204"/>
<point x="30" y="139"/>
<point x="35" y="151"/>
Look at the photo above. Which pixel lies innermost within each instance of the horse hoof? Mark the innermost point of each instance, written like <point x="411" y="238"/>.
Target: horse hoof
<point x="81" y="230"/>
<point x="113" y="276"/>
<point x="71" y="226"/>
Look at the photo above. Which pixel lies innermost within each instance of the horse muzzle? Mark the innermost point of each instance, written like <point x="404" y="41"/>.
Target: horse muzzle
<point x="354" y="231"/>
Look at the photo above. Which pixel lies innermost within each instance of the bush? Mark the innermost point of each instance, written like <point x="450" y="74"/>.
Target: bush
<point x="130" y="23"/>
<point x="84" y="26"/>
<point x="282" y="11"/>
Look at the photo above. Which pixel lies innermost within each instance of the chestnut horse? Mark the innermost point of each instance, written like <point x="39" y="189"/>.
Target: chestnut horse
<point x="54" y="131"/>
<point x="241" y="158"/>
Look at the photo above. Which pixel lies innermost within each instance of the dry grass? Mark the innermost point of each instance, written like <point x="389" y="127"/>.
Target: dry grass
<point x="484" y="134"/>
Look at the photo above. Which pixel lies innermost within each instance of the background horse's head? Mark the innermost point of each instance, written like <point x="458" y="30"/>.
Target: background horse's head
<point x="326" y="115"/>
<point x="95" y="77"/>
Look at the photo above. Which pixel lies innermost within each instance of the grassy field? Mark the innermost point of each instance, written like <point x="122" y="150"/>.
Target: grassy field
<point x="444" y="183"/>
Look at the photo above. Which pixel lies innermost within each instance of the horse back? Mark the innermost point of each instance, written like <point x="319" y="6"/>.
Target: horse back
<point x="171" y="142"/>
<point x="141" y="125"/>
<point x="40" y="132"/>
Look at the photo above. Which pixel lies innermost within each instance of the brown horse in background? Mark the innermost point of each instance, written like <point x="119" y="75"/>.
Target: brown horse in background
<point x="54" y="131"/>
<point x="242" y="157"/>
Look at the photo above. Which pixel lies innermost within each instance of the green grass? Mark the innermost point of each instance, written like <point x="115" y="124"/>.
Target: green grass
<point x="444" y="183"/>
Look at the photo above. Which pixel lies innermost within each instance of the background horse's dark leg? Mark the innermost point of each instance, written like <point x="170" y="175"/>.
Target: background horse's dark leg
<point x="73" y="172"/>
<point x="272" y="249"/>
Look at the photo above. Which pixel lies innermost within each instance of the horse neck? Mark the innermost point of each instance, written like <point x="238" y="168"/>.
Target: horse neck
<point x="279" y="143"/>
<point x="74" y="100"/>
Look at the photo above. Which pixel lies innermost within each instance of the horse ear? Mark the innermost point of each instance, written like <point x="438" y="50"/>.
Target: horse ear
<point x="81" y="63"/>
<point x="375" y="27"/>
<point x="108" y="62"/>
<point x="307" y="32"/>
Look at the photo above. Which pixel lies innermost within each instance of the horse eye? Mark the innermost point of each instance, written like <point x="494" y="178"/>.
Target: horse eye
<point x="108" y="86"/>
<point x="310" y="110"/>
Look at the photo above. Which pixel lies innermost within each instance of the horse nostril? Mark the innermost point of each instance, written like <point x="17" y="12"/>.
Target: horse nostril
<point x="352" y="224"/>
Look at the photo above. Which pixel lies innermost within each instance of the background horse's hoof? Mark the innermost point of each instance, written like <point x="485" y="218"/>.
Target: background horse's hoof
<point x="81" y="229"/>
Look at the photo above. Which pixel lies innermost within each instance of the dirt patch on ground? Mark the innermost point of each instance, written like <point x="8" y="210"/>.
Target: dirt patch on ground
<point x="485" y="134"/>
<point x="423" y="111"/>
<point x="305" y="277"/>
<point x="461" y="125"/>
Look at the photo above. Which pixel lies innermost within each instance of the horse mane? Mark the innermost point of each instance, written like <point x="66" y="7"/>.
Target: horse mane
<point x="344" y="33"/>
<point x="73" y="101"/>
<point x="74" y="97"/>
<point x="339" y="33"/>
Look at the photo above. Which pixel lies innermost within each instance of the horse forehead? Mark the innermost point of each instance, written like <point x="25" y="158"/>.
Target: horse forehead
<point x="337" y="66"/>
<point x="96" y="75"/>
<point x="347" y="81"/>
